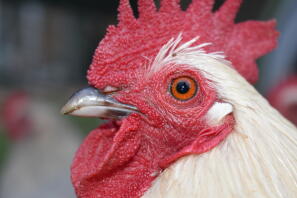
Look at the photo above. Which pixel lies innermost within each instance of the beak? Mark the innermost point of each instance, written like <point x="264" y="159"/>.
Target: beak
<point x="89" y="102"/>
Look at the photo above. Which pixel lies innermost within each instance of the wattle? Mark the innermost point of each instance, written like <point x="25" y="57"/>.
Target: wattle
<point x="107" y="164"/>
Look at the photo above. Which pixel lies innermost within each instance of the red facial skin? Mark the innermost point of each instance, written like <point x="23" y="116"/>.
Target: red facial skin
<point x="121" y="159"/>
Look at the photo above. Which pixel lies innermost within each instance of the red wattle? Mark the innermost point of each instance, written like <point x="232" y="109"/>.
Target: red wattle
<point x="208" y="139"/>
<point x="103" y="165"/>
<point x="121" y="162"/>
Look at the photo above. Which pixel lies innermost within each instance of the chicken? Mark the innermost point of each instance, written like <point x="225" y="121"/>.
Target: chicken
<point x="284" y="98"/>
<point x="42" y="149"/>
<point x="183" y="118"/>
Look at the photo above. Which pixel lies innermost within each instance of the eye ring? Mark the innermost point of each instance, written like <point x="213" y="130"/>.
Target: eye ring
<point x="183" y="88"/>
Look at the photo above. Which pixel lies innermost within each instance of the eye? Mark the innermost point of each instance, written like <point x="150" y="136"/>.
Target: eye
<point x="183" y="88"/>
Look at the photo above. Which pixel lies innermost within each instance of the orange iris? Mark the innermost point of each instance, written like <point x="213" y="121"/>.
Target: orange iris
<point x="183" y="88"/>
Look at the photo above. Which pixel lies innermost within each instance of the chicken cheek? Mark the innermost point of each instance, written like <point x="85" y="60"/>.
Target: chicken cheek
<point x="184" y="95"/>
<point x="186" y="128"/>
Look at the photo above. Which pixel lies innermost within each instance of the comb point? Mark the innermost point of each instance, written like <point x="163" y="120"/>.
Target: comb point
<point x="200" y="6"/>
<point x="125" y="15"/>
<point x="146" y="8"/>
<point x="170" y="5"/>
<point x="228" y="11"/>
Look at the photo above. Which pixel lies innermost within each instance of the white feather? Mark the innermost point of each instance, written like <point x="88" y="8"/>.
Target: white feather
<point x="257" y="160"/>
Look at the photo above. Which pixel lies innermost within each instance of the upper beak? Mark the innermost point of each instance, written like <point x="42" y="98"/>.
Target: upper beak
<point x="89" y="102"/>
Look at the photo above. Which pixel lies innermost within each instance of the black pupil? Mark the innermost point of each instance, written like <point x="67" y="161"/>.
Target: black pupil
<point x="182" y="87"/>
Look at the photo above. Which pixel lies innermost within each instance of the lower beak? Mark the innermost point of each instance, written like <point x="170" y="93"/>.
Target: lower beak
<point x="89" y="102"/>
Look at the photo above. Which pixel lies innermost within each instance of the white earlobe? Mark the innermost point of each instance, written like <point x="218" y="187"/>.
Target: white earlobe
<point x="218" y="111"/>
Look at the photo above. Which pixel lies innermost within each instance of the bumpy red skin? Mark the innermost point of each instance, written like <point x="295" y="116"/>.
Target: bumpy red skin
<point x="122" y="159"/>
<point x="130" y="44"/>
<point x="276" y="97"/>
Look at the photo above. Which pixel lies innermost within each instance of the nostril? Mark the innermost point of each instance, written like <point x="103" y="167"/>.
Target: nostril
<point x="110" y="89"/>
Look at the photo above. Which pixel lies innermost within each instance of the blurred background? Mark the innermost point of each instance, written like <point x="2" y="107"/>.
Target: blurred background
<point x="46" y="47"/>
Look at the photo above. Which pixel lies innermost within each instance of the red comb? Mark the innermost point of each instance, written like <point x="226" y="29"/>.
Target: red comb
<point x="125" y="45"/>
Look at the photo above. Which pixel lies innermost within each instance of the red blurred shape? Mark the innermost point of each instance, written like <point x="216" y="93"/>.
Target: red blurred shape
<point x="284" y="98"/>
<point x="15" y="115"/>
